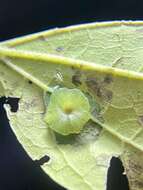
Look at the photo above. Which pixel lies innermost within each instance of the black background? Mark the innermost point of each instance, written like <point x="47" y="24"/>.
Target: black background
<point x="17" y="18"/>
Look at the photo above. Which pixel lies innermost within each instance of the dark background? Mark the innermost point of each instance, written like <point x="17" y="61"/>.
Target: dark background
<point x="17" y="18"/>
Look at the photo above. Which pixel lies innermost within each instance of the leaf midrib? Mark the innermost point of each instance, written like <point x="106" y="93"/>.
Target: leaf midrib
<point x="77" y="63"/>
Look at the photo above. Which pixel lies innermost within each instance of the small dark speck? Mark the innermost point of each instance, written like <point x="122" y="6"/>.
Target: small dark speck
<point x="43" y="38"/>
<point x="59" y="49"/>
<point x="73" y="67"/>
<point x="108" y="79"/>
<point x="30" y="82"/>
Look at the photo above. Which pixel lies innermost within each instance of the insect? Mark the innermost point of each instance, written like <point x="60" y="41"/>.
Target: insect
<point x="68" y="110"/>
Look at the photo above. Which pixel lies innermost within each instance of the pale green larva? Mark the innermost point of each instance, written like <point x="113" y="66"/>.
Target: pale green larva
<point x="68" y="111"/>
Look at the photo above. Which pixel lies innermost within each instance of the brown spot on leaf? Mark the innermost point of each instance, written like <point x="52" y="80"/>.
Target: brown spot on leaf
<point x="42" y="38"/>
<point x="134" y="169"/>
<point x="99" y="89"/>
<point x="108" y="79"/>
<point x="104" y="94"/>
<point x="73" y="67"/>
<point x="138" y="184"/>
<point x="108" y="95"/>
<point x="30" y="82"/>
<point x="76" y="78"/>
<point x="93" y="84"/>
<point x="140" y="120"/>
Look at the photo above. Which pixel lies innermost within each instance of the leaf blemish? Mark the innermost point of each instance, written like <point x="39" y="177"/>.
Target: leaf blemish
<point x="90" y="132"/>
<point x="107" y="95"/>
<point x="59" y="49"/>
<point x="138" y="184"/>
<point x="30" y="82"/>
<point x="134" y="170"/>
<point x="76" y="78"/>
<point x="99" y="89"/>
<point x="108" y="79"/>
<point x="140" y="120"/>
<point x="93" y="84"/>
<point x="42" y="38"/>
<point x="135" y="167"/>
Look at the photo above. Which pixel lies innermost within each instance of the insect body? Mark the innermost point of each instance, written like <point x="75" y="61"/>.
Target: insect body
<point x="68" y="111"/>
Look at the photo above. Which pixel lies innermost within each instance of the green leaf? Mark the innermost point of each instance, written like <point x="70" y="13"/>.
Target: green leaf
<point x="105" y="62"/>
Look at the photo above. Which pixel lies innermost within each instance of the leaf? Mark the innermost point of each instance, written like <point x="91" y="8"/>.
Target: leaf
<point x="104" y="61"/>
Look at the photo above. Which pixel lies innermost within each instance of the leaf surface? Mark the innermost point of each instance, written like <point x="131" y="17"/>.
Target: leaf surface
<point x="104" y="61"/>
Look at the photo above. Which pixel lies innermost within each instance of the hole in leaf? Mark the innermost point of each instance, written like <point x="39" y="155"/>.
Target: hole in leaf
<point x="42" y="160"/>
<point x="13" y="102"/>
<point x="115" y="178"/>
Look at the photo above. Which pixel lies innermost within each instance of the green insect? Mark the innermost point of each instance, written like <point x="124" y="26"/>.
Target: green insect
<point x="68" y="111"/>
